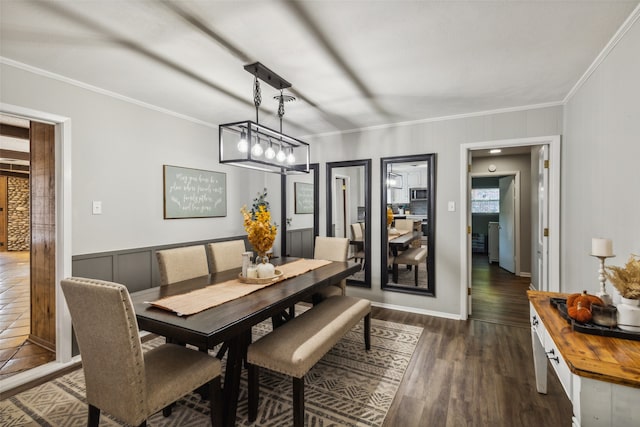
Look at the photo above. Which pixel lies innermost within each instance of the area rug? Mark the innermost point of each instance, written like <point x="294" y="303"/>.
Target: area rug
<point x="348" y="387"/>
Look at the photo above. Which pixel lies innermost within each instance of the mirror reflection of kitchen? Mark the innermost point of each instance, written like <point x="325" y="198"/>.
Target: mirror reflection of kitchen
<point x="408" y="201"/>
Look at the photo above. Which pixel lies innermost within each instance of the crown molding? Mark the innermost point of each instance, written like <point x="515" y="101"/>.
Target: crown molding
<point x="96" y="89"/>
<point x="626" y="26"/>
<point x="441" y="118"/>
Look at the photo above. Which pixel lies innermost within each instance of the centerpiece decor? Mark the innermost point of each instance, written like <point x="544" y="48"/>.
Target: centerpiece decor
<point x="627" y="281"/>
<point x="261" y="232"/>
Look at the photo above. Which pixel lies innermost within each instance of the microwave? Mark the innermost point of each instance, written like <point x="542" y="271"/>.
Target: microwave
<point x="418" y="194"/>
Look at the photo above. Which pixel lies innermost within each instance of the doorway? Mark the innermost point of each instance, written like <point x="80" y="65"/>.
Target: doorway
<point x="27" y="178"/>
<point x="551" y="199"/>
<point x="52" y="189"/>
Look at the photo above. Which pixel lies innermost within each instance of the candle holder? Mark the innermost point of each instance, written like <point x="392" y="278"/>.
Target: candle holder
<point x="602" y="294"/>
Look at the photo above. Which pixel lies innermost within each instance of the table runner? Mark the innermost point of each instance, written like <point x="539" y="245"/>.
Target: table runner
<point x="199" y="300"/>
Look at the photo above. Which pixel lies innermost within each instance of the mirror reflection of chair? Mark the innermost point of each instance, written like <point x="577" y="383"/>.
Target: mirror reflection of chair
<point x="120" y="379"/>
<point x="357" y="240"/>
<point x="180" y="264"/>
<point x="411" y="257"/>
<point x="226" y="255"/>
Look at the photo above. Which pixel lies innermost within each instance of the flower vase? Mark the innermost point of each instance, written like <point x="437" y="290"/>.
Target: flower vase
<point x="629" y="314"/>
<point x="265" y="268"/>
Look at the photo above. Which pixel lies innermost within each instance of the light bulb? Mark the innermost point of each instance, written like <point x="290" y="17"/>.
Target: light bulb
<point x="270" y="153"/>
<point x="291" y="158"/>
<point x="243" y="145"/>
<point x="256" y="150"/>
<point x="281" y="156"/>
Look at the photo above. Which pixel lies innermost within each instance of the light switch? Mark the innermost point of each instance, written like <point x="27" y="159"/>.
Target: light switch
<point x="451" y="206"/>
<point x="97" y="207"/>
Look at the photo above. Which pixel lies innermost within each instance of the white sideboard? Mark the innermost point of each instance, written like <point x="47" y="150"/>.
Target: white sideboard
<point x="600" y="375"/>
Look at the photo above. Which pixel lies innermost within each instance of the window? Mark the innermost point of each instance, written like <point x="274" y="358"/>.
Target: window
<point x="485" y="200"/>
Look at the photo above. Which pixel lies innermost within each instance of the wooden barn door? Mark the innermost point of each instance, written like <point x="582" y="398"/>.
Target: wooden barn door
<point x="43" y="233"/>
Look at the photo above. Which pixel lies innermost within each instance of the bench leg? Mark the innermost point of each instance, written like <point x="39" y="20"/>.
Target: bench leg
<point x="367" y="331"/>
<point x="416" y="275"/>
<point x="254" y="390"/>
<point x="298" y="402"/>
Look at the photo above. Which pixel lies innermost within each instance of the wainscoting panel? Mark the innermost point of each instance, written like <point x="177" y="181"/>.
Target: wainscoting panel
<point x="300" y="243"/>
<point x="137" y="268"/>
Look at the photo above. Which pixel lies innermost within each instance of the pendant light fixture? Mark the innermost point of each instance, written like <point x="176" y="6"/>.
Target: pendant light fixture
<point x="252" y="145"/>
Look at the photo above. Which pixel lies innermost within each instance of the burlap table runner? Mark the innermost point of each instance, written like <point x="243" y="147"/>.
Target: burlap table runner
<point x="196" y="301"/>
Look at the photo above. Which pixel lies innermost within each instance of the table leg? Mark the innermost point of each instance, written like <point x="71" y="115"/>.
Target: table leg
<point x="395" y="273"/>
<point x="237" y="351"/>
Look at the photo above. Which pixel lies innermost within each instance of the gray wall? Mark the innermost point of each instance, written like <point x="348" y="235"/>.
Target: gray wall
<point x="118" y="149"/>
<point x="600" y="166"/>
<point x="444" y="138"/>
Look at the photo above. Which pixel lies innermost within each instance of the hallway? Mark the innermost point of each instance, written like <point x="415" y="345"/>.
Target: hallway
<point x="497" y="295"/>
<point x="16" y="353"/>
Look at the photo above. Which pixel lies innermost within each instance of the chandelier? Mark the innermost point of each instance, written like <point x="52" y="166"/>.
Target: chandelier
<point x="252" y="145"/>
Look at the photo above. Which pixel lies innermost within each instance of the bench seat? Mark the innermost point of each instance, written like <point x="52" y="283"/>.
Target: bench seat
<point x="413" y="256"/>
<point x="295" y="347"/>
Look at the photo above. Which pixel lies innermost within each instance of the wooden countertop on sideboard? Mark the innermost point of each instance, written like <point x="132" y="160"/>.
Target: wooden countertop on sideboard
<point x="613" y="360"/>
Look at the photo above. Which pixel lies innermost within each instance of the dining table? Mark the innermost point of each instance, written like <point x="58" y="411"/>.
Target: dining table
<point x="401" y="242"/>
<point x="230" y="322"/>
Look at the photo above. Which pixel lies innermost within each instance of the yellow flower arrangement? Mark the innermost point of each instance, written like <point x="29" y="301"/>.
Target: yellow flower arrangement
<point x="261" y="233"/>
<point x="389" y="216"/>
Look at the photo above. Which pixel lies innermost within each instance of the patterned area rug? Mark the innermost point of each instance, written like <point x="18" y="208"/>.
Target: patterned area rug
<point x="348" y="387"/>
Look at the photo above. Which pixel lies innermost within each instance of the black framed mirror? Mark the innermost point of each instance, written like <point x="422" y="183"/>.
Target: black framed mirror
<point x="408" y="196"/>
<point x="300" y="223"/>
<point x="349" y="212"/>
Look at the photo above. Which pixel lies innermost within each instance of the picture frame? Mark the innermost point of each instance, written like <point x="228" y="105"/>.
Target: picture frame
<point x="193" y="193"/>
<point x="303" y="198"/>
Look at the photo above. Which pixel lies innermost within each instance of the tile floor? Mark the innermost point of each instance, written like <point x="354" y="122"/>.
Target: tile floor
<point x="16" y="353"/>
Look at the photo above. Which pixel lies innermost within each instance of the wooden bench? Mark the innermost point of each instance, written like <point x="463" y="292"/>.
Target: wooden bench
<point x="295" y="347"/>
<point x="413" y="256"/>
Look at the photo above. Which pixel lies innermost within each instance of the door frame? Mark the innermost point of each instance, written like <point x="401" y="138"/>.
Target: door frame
<point x="63" y="240"/>
<point x="553" y="141"/>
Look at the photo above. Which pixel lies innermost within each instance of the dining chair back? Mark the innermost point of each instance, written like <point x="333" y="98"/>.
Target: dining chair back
<point x="121" y="379"/>
<point x="331" y="249"/>
<point x="226" y="255"/>
<point x="184" y="263"/>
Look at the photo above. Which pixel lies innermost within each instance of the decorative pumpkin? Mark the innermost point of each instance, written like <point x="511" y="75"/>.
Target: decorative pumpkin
<point x="579" y="306"/>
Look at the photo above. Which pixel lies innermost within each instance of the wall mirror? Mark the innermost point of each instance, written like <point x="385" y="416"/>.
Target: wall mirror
<point x="349" y="212"/>
<point x="408" y="223"/>
<point x="300" y="221"/>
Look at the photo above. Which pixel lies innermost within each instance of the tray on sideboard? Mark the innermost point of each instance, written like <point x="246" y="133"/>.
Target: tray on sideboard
<point x="591" y="328"/>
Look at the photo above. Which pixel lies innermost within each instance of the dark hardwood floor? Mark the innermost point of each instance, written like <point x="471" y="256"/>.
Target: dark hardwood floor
<point x="477" y="372"/>
<point x="498" y="296"/>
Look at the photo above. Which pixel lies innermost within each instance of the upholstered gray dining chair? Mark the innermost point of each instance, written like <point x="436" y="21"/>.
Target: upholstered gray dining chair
<point x="120" y="379"/>
<point x="184" y="263"/>
<point x="226" y="255"/>
<point x="331" y="249"/>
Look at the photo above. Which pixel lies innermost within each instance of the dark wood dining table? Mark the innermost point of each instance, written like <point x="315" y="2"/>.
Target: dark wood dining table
<point x="231" y="322"/>
<point x="401" y="243"/>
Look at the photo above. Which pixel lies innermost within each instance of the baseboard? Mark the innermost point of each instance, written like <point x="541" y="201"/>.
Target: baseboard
<point x="525" y="274"/>
<point x="416" y="310"/>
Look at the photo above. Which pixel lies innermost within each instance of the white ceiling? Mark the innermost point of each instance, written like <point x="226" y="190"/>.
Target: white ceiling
<point x="353" y="64"/>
